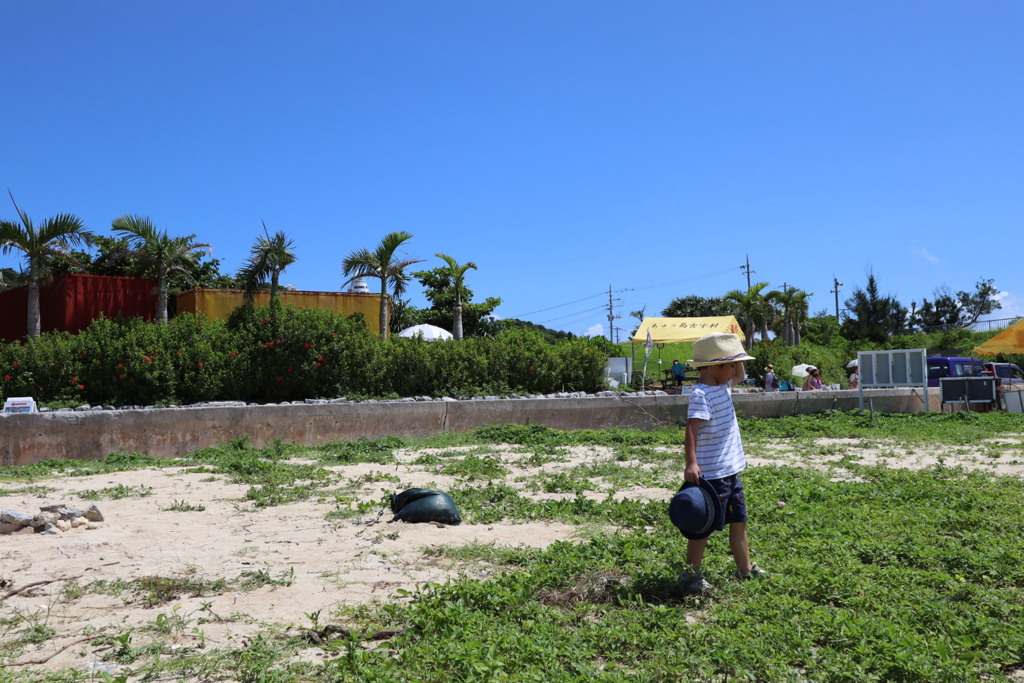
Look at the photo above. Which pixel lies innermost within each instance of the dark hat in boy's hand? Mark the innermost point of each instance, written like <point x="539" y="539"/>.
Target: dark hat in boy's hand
<point x="696" y="510"/>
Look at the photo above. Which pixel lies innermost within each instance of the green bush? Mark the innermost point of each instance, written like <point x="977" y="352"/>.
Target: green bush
<point x="283" y="354"/>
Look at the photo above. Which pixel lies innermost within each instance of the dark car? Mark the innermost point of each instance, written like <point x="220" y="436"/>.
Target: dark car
<point x="952" y="366"/>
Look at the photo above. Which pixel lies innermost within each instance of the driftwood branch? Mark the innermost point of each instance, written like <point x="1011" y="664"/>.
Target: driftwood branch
<point x="327" y="633"/>
<point x="24" y="588"/>
<point x="44" y="660"/>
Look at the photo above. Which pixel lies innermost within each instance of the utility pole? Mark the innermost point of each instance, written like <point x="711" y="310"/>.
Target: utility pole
<point x="748" y="271"/>
<point x="611" y="316"/>
<point x="837" y="284"/>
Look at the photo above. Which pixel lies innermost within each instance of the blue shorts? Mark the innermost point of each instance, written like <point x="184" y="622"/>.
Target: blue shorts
<point x="734" y="504"/>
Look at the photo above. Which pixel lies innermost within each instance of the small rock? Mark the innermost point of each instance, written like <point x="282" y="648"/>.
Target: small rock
<point x="93" y="514"/>
<point x="15" y="517"/>
<point x="44" y="519"/>
<point x="63" y="525"/>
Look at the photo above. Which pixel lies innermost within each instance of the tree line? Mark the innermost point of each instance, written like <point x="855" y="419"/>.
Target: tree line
<point x="867" y="314"/>
<point x="137" y="248"/>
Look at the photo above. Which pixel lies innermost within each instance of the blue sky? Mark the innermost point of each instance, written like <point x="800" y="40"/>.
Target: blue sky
<point x="566" y="147"/>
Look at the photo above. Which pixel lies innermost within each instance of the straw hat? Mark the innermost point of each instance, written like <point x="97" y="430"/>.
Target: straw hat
<point x="696" y="510"/>
<point x="718" y="348"/>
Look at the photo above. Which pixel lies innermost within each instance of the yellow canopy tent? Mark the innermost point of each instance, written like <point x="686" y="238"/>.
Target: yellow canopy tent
<point x="676" y="330"/>
<point x="1010" y="340"/>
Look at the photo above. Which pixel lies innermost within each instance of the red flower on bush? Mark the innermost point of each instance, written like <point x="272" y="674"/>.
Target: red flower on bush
<point x="74" y="380"/>
<point x="269" y="345"/>
<point x="147" y="359"/>
<point x="318" y="365"/>
<point x="233" y="353"/>
<point x="6" y="377"/>
<point x="278" y="379"/>
<point x="120" y="365"/>
<point x="289" y="369"/>
<point x="531" y="367"/>
<point x="81" y="355"/>
<point x="81" y="386"/>
<point x="200" y="364"/>
<point x="120" y="376"/>
<point x="319" y="358"/>
<point x="15" y="363"/>
<point x="307" y="346"/>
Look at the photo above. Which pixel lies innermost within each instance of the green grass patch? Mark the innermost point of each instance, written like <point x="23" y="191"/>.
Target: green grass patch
<point x="893" y="575"/>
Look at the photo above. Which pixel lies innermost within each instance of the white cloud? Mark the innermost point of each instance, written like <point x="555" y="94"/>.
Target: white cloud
<point x="925" y="254"/>
<point x="595" y="330"/>
<point x="1013" y="306"/>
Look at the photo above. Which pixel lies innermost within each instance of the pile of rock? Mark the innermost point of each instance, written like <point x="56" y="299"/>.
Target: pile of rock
<point x="51" y="519"/>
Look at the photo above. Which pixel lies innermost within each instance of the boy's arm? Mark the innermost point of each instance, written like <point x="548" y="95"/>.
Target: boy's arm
<point x="692" y="472"/>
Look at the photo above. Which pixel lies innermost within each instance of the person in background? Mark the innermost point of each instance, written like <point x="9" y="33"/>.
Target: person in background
<point x="771" y="380"/>
<point x="813" y="381"/>
<point x="678" y="372"/>
<point x="854" y="377"/>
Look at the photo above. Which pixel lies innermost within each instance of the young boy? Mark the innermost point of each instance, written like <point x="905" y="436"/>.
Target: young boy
<point x="714" y="453"/>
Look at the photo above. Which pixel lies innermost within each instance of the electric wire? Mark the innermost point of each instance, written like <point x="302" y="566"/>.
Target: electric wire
<point x="655" y="285"/>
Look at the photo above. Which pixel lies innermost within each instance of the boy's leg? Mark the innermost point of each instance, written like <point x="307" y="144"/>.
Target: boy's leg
<point x="692" y="579"/>
<point x="739" y="546"/>
<point x="695" y="553"/>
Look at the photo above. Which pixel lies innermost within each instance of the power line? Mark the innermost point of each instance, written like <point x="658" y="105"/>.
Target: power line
<point x="676" y="282"/>
<point x="550" y="308"/>
<point x="570" y="315"/>
<point x="667" y="283"/>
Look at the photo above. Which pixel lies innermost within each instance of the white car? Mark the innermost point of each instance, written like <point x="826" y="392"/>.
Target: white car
<point x="1008" y="373"/>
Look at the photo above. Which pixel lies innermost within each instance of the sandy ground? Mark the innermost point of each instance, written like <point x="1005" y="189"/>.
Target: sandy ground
<point x="314" y="565"/>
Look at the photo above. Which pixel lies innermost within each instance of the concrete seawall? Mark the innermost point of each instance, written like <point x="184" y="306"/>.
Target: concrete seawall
<point x="171" y="432"/>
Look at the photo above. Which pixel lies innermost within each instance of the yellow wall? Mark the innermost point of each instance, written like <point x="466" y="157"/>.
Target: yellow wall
<point x="217" y="304"/>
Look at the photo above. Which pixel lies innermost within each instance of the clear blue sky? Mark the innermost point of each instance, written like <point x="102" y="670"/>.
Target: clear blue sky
<point x="566" y="147"/>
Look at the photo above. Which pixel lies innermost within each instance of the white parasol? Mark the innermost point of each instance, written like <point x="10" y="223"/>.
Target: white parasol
<point x="426" y="332"/>
<point x="803" y="369"/>
<point x="852" y="364"/>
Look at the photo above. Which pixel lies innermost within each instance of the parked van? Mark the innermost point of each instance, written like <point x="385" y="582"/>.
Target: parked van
<point x="1008" y="373"/>
<point x="943" y="366"/>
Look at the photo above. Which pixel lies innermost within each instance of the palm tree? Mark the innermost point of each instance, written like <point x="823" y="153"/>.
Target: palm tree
<point x="54" y="237"/>
<point x="798" y="310"/>
<point x="157" y="252"/>
<point x="753" y="309"/>
<point x="457" y="273"/>
<point x="794" y="312"/>
<point x="268" y="258"/>
<point x="382" y="264"/>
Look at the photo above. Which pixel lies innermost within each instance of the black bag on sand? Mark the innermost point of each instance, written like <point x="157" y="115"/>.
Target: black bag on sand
<point x="424" y="505"/>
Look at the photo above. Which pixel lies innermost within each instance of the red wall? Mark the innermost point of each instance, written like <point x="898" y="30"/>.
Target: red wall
<point x="71" y="302"/>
